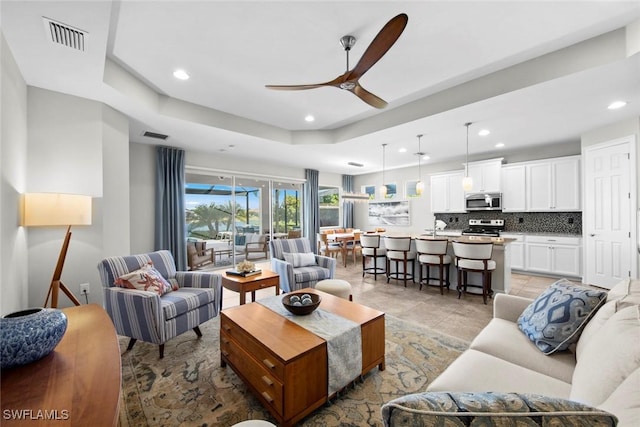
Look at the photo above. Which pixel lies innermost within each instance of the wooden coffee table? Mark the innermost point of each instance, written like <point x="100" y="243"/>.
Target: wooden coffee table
<point x="284" y="364"/>
<point x="240" y="284"/>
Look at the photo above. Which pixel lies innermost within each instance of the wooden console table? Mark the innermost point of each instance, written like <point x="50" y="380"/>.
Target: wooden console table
<point x="77" y="384"/>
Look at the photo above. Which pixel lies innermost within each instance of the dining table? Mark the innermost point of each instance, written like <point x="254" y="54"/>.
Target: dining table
<point x="347" y="241"/>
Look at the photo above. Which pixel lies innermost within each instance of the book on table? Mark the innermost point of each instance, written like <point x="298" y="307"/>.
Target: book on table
<point x="243" y="273"/>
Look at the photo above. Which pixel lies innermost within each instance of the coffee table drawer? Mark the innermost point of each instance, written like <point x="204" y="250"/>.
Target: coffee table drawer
<point x="264" y="383"/>
<point x="251" y="346"/>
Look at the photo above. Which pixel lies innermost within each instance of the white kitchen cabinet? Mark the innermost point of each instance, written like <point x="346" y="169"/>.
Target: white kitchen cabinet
<point x="486" y="176"/>
<point x="514" y="188"/>
<point x="553" y="185"/>
<point x="558" y="256"/>
<point x="447" y="194"/>
<point x="517" y="250"/>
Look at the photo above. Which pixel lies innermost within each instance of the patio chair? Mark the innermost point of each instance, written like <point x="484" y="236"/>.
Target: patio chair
<point x="297" y="265"/>
<point x="198" y="255"/>
<point x="147" y="316"/>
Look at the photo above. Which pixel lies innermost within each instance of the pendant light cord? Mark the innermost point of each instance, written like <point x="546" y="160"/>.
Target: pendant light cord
<point x="466" y="164"/>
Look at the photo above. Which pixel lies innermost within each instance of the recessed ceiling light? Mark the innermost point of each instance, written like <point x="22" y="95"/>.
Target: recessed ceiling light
<point x="426" y="157"/>
<point x="309" y="118"/>
<point x="617" y="104"/>
<point x="484" y="132"/>
<point x="402" y="150"/>
<point x="181" y="74"/>
<point x="499" y="145"/>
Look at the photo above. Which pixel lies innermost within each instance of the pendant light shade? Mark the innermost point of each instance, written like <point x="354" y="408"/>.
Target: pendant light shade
<point x="383" y="188"/>
<point x="419" y="184"/>
<point x="467" y="181"/>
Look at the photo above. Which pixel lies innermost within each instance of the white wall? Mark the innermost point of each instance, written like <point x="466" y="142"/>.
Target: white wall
<point x="14" y="291"/>
<point x="77" y="146"/>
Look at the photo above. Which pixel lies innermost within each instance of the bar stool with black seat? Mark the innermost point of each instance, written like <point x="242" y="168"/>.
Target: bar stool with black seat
<point x="433" y="253"/>
<point x="399" y="251"/>
<point x="474" y="257"/>
<point x="370" y="244"/>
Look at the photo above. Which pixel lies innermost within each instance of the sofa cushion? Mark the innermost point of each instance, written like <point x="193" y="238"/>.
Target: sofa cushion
<point x="600" y="318"/>
<point x="624" y="402"/>
<point x="502" y="338"/>
<point x="478" y="371"/>
<point x="490" y="409"/>
<point x="184" y="300"/>
<point x="555" y="319"/>
<point x="624" y="288"/>
<point x="609" y="358"/>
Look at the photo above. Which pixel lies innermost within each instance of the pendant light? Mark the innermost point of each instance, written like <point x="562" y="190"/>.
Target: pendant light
<point x="419" y="184"/>
<point x="383" y="188"/>
<point x="467" y="182"/>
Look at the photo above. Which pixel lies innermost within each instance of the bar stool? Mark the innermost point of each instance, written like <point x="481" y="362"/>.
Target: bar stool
<point x="399" y="250"/>
<point x="474" y="257"/>
<point x="433" y="252"/>
<point x="371" y="249"/>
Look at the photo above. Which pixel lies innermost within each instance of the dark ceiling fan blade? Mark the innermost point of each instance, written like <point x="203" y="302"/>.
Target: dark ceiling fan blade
<point x="296" y="87"/>
<point x="368" y="97"/>
<point x="380" y="45"/>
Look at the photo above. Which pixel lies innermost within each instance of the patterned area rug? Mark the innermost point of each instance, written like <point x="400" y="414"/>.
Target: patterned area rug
<point x="189" y="388"/>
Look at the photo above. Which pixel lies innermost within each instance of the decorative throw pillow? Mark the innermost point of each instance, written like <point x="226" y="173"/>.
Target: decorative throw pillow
<point x="555" y="319"/>
<point x="300" y="259"/>
<point x="146" y="278"/>
<point x="490" y="409"/>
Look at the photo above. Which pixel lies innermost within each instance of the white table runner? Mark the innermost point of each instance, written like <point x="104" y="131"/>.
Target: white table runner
<point x="343" y="337"/>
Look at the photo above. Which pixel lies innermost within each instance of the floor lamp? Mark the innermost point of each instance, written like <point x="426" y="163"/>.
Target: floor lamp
<point x="55" y="209"/>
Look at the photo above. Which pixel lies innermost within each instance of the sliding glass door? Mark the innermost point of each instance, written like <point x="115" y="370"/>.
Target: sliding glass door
<point x="233" y="214"/>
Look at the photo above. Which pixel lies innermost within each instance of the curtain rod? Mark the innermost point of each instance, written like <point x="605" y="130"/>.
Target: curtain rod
<point x="208" y="171"/>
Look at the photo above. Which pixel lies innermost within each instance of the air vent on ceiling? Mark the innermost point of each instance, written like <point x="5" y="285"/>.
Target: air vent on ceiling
<point x="358" y="165"/>
<point x="155" y="135"/>
<point x="65" y="35"/>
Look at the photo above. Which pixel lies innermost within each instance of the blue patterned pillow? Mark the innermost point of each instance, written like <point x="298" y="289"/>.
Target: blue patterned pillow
<point x="556" y="318"/>
<point x="491" y="409"/>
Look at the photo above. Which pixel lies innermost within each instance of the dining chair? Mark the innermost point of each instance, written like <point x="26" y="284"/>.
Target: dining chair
<point x="433" y="253"/>
<point x="350" y="245"/>
<point x="327" y="248"/>
<point x="474" y="257"/>
<point x="371" y="249"/>
<point x="399" y="251"/>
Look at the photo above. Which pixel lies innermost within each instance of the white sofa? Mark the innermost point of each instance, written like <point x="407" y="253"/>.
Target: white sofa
<point x="601" y="371"/>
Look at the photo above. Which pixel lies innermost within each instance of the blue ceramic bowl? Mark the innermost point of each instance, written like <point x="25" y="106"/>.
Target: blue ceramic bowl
<point x="29" y="335"/>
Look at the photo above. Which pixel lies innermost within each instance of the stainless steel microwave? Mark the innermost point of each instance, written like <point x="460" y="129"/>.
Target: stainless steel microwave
<point x="483" y="202"/>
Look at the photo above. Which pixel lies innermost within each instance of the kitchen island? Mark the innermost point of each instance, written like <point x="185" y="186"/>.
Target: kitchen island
<point x="500" y="277"/>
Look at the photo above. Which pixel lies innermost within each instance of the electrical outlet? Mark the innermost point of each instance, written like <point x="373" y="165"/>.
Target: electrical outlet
<point x="84" y="289"/>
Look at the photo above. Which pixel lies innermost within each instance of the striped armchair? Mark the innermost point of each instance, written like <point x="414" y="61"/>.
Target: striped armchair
<point x="293" y="278"/>
<point x="149" y="317"/>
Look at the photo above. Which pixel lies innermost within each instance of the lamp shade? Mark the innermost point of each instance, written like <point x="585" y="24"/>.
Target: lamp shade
<point x="467" y="183"/>
<point x="51" y="209"/>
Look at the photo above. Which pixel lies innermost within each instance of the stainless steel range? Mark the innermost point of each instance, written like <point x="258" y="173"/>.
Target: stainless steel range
<point x="484" y="227"/>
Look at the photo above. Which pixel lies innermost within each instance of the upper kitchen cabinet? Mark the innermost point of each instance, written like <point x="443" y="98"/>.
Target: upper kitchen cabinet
<point x="486" y="176"/>
<point x="447" y="194"/>
<point x="514" y="197"/>
<point x="553" y="185"/>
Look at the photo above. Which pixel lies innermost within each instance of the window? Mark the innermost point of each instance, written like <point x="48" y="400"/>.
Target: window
<point x="410" y="189"/>
<point x="370" y="190"/>
<point x="391" y="191"/>
<point x="329" y="199"/>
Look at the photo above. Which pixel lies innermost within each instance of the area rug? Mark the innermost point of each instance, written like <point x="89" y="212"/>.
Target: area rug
<point x="189" y="388"/>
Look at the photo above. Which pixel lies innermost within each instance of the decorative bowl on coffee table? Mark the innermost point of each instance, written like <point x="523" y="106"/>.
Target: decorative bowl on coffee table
<point x="301" y="303"/>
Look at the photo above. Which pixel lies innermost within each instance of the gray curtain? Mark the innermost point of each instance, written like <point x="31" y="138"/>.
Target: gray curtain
<point x="347" y="207"/>
<point x="311" y="207"/>
<point x="170" y="218"/>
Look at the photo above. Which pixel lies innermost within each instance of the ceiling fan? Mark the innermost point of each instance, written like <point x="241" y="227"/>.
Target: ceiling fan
<point x="376" y="50"/>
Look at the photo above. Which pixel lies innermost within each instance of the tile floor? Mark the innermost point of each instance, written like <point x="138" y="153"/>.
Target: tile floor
<point x="462" y="318"/>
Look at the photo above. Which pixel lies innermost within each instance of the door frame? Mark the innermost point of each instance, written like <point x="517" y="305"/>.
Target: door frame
<point x="634" y="214"/>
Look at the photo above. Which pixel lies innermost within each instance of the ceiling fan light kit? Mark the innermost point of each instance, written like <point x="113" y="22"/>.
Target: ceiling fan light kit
<point x="376" y="50"/>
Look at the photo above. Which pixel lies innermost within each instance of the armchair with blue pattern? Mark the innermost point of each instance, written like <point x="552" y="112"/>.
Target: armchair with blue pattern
<point x="294" y="278"/>
<point x="152" y="318"/>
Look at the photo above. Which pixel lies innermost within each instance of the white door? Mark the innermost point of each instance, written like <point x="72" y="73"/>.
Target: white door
<point x="609" y="209"/>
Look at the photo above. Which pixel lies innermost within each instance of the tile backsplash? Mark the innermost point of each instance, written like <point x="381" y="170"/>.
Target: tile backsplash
<point x="521" y="222"/>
